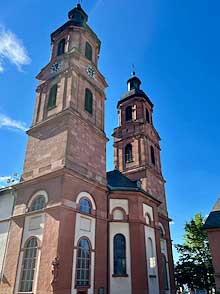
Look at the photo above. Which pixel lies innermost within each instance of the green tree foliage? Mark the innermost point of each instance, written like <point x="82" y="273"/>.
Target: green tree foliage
<point x="194" y="267"/>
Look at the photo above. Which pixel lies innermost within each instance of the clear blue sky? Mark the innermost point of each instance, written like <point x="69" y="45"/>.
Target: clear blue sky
<point x="175" y="47"/>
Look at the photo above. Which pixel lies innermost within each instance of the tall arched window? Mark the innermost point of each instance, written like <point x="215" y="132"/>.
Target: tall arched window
<point x="88" y="51"/>
<point x="61" y="47"/>
<point x="83" y="263"/>
<point x="29" y="265"/>
<point x="119" y="255"/>
<point x="152" y="155"/>
<point x="52" y="97"/>
<point x="38" y="203"/>
<point x="147" y="116"/>
<point x="165" y="274"/>
<point x="88" y="101"/>
<point x="128" y="113"/>
<point x="152" y="262"/>
<point x="84" y="206"/>
<point x="128" y="153"/>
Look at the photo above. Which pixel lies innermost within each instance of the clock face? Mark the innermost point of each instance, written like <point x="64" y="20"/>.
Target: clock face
<point x="55" y="67"/>
<point x="90" y="71"/>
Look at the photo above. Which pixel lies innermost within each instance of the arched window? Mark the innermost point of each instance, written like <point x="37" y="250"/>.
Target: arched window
<point x="128" y="113"/>
<point x="147" y="116"/>
<point x="84" y="206"/>
<point x="61" y="47"/>
<point x="88" y="101"/>
<point x="38" y="203"/>
<point x="119" y="255"/>
<point x="165" y="273"/>
<point x="152" y="261"/>
<point x="88" y="51"/>
<point x="52" y="97"/>
<point x="128" y="153"/>
<point x="152" y="155"/>
<point x="83" y="263"/>
<point x="29" y="266"/>
<point x="161" y="233"/>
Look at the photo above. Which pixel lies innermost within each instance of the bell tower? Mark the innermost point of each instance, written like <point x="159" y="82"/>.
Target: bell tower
<point x="136" y="141"/>
<point x="68" y="122"/>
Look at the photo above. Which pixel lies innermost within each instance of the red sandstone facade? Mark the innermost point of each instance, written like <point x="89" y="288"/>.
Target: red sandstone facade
<point x="212" y="227"/>
<point x="74" y="228"/>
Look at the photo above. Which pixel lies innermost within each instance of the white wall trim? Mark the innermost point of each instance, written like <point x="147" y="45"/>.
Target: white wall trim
<point x="37" y="194"/>
<point x="86" y="195"/>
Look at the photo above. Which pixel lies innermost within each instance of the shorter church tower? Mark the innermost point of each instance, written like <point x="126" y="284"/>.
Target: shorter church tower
<point x="136" y="141"/>
<point x="139" y="235"/>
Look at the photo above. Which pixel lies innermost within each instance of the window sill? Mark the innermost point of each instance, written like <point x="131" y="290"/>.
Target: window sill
<point x="88" y="112"/>
<point x="120" y="276"/>
<point x="24" y="293"/>
<point x="51" y="108"/>
<point x="82" y="288"/>
<point x="129" y="162"/>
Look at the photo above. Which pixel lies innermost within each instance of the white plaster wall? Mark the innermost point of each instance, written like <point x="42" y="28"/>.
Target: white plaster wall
<point x="120" y="285"/>
<point x="4" y="229"/>
<point x="148" y="209"/>
<point x="123" y="203"/>
<point x="6" y="210"/>
<point x="85" y="227"/>
<point x="6" y="205"/>
<point x="33" y="227"/>
<point x="152" y="271"/>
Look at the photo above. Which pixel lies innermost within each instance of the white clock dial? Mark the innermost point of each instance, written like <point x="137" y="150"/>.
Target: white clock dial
<point x="90" y="71"/>
<point x="55" y="67"/>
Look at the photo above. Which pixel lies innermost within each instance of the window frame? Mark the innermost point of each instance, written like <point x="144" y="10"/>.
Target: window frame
<point x="119" y="255"/>
<point x="25" y="248"/>
<point x="52" y="97"/>
<point x="88" y="285"/>
<point x="34" y="200"/>
<point x="90" y="205"/>
<point x="129" y="113"/>
<point x="147" y="116"/>
<point x="62" y="43"/>
<point x="88" y="103"/>
<point x="165" y="275"/>
<point x="152" y="155"/>
<point x="128" y="153"/>
<point x="88" y="51"/>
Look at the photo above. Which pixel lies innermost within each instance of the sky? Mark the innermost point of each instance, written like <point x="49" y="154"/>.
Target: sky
<point x="175" y="47"/>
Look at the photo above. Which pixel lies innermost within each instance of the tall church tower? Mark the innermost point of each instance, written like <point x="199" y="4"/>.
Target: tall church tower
<point x="68" y="123"/>
<point x="136" y="142"/>
<point x="59" y="221"/>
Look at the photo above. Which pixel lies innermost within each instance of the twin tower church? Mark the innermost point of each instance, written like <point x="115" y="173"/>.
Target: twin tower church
<point x="69" y="227"/>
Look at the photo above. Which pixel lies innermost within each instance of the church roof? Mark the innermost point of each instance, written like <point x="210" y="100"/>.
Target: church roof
<point x="134" y="93"/>
<point x="213" y="220"/>
<point x="116" y="181"/>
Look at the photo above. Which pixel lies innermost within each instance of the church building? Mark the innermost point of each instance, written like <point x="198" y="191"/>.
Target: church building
<point x="71" y="227"/>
